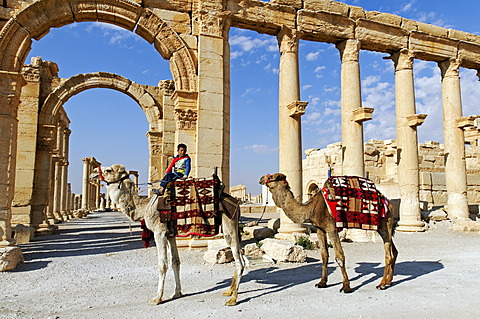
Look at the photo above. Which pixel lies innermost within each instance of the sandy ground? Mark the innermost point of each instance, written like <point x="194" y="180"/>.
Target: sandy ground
<point x="96" y="268"/>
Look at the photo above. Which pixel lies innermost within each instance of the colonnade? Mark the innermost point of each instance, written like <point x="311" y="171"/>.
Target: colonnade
<point x="90" y="188"/>
<point x="354" y="114"/>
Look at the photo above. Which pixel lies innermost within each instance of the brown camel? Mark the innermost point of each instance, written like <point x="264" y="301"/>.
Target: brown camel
<point x="121" y="191"/>
<point x="316" y="211"/>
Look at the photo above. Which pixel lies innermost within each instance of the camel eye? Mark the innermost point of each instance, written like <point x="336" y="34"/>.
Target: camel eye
<point x="108" y="170"/>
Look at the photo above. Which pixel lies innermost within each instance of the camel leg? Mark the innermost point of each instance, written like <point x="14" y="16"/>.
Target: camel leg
<point x="340" y="259"/>
<point x="391" y="252"/>
<point x="232" y="237"/>
<point x="161" y="243"/>
<point x="175" y="266"/>
<point x="322" y="239"/>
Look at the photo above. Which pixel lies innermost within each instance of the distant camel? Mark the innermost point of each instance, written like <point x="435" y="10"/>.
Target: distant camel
<point x="316" y="211"/>
<point x="122" y="192"/>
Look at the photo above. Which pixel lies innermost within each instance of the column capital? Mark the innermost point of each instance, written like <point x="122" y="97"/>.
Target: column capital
<point x="403" y="59"/>
<point x="297" y="108"/>
<point x="46" y="138"/>
<point x="349" y="50"/>
<point x="217" y="25"/>
<point x="288" y="40"/>
<point x="450" y="67"/>
<point x="186" y="119"/>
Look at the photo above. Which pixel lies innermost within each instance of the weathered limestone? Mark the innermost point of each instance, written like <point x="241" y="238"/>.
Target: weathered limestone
<point x="407" y="143"/>
<point x="454" y="139"/>
<point x="290" y="131"/>
<point x="10" y="257"/>
<point x="283" y="250"/>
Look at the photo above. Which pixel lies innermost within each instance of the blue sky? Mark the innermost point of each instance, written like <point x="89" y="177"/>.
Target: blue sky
<point x="111" y="127"/>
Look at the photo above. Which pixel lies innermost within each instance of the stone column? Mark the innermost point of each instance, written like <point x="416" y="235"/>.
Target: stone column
<point x="8" y="148"/>
<point x="65" y="207"/>
<point x="290" y="129"/>
<point x="213" y="118"/>
<point x="407" y="143"/>
<point x="41" y="185"/>
<point x="86" y="184"/>
<point x="57" y="190"/>
<point x="454" y="141"/>
<point x="351" y="100"/>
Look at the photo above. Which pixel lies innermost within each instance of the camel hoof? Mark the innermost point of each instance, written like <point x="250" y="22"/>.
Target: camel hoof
<point x="231" y="302"/>
<point x="177" y="295"/>
<point x="227" y="293"/>
<point x="321" y="285"/>
<point x="346" y="290"/>
<point x="155" y="301"/>
<point x="382" y="287"/>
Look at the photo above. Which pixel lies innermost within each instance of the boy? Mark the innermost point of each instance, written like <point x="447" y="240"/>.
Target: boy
<point x="179" y="168"/>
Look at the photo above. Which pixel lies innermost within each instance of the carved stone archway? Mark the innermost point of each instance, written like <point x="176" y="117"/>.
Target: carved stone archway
<point x="38" y="18"/>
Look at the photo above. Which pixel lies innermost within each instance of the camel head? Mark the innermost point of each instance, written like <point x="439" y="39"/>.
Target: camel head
<point x="272" y="181"/>
<point x="109" y="174"/>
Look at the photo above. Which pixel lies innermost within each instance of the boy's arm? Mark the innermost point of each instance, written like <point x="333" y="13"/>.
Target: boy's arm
<point x="187" y="167"/>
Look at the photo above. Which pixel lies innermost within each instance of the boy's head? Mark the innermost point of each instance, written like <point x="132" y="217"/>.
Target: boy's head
<point x="182" y="149"/>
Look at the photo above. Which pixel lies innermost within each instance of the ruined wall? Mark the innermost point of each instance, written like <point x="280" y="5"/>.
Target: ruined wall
<point x="381" y="167"/>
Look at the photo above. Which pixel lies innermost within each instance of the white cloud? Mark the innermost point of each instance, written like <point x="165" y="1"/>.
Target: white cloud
<point x="262" y="148"/>
<point x="250" y="91"/>
<point x="408" y="6"/>
<point x="319" y="68"/>
<point x="312" y="56"/>
<point x="247" y="43"/>
<point x="235" y="54"/>
<point x="306" y="87"/>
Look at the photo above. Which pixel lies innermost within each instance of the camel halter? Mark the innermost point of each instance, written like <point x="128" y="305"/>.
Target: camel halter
<point x="117" y="181"/>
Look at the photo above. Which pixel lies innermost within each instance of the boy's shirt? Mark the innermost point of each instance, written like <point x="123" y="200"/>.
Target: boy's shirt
<point x="180" y="165"/>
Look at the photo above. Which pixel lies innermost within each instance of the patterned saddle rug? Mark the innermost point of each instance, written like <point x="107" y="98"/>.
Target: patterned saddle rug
<point x="191" y="207"/>
<point x="354" y="202"/>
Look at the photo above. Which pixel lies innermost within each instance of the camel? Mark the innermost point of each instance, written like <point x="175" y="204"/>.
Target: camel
<point x="316" y="211"/>
<point x="121" y="190"/>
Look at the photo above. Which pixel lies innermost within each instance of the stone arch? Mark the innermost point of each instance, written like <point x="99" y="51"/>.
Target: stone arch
<point x="82" y="82"/>
<point x="35" y="21"/>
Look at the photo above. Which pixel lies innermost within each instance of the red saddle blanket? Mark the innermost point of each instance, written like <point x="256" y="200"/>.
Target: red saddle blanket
<point x="354" y="202"/>
<point x="192" y="207"/>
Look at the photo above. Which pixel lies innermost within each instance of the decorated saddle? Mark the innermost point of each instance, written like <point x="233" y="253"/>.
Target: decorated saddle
<point x="354" y="202"/>
<point x="195" y="206"/>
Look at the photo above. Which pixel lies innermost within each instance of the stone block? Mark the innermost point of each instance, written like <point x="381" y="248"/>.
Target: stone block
<point x="426" y="195"/>
<point x="432" y="48"/>
<point x="283" y="250"/>
<point x="438" y="181"/>
<point x="386" y="18"/>
<point x="436" y="215"/>
<point x="439" y="197"/>
<point x="10" y="257"/>
<point x="379" y="36"/>
<point x="178" y="21"/>
<point x="218" y="255"/>
<point x="259" y="232"/>
<point x="297" y="4"/>
<point x="23" y="234"/>
<point x="432" y="29"/>
<point x="356" y="13"/>
<point x="425" y="180"/>
<point x="252" y="250"/>
<point x="466" y="225"/>
<point x="473" y="180"/>
<point x="325" y="27"/>
<point x="327" y="6"/>
<point x="409" y="25"/>
<point x="274" y="224"/>
<point x="469" y="54"/>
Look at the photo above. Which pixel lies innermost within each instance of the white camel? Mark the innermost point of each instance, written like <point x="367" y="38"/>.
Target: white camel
<point x="121" y="190"/>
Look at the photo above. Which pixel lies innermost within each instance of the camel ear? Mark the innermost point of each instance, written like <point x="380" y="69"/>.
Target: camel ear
<point x="279" y="177"/>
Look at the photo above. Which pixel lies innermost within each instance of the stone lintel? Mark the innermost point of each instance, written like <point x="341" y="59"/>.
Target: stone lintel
<point x="466" y="121"/>
<point x="469" y="55"/>
<point x="325" y="26"/>
<point x="432" y="48"/>
<point x="415" y="120"/>
<point x="263" y="17"/>
<point x="381" y="37"/>
<point x="297" y="108"/>
<point x="362" y="114"/>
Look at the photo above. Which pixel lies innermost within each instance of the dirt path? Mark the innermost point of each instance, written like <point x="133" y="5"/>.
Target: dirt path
<point x="94" y="268"/>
